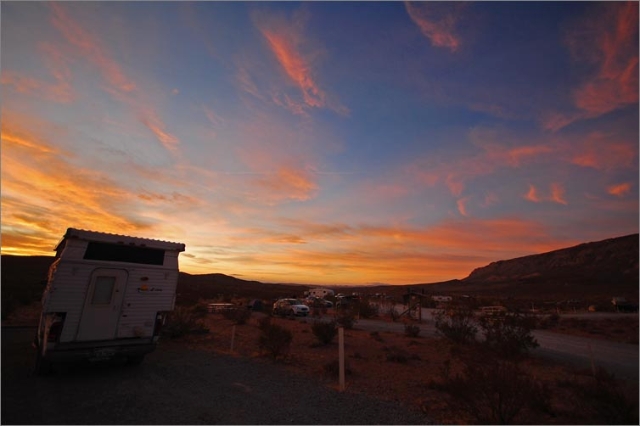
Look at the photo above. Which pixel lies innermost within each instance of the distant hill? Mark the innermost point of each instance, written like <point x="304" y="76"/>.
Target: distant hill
<point x="590" y="271"/>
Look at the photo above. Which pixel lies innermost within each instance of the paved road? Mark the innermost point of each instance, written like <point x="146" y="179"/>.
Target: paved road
<point x="176" y="385"/>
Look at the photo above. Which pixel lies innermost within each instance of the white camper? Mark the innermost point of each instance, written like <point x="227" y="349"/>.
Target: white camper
<point x="107" y="295"/>
<point x="319" y="292"/>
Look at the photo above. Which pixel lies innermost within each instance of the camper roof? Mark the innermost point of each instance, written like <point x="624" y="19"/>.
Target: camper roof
<point x="119" y="239"/>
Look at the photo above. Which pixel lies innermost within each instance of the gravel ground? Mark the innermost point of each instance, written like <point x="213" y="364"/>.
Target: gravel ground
<point x="175" y="385"/>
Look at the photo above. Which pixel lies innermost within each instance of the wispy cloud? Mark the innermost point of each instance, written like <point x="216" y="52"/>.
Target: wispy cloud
<point x="556" y="194"/>
<point x="288" y="183"/>
<point x="532" y="194"/>
<point x="436" y="21"/>
<point x="295" y="55"/>
<point x="608" y="39"/>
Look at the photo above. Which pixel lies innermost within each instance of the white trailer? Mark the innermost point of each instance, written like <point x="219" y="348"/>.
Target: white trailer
<point x="319" y="292"/>
<point x="107" y="295"/>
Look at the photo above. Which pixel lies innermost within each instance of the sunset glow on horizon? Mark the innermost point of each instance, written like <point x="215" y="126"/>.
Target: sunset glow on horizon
<point x="321" y="142"/>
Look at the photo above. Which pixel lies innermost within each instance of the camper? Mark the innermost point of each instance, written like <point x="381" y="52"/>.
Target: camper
<point x="319" y="292"/>
<point x="106" y="295"/>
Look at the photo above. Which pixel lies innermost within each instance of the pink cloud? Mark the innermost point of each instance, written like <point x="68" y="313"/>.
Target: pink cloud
<point x="608" y="40"/>
<point x="619" y="190"/>
<point x="91" y="48"/>
<point x="532" y="194"/>
<point x="439" y="28"/>
<point x="288" y="183"/>
<point x="557" y="194"/>
<point x="462" y="206"/>
<point x="150" y="119"/>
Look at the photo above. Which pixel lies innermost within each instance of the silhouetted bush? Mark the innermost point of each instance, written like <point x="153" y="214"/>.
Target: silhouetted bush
<point x="275" y="340"/>
<point x="602" y="401"/>
<point x="398" y="355"/>
<point x="456" y="323"/>
<point x="324" y="331"/>
<point x="183" y="320"/>
<point x="494" y="391"/>
<point x="345" y="318"/>
<point x="509" y="336"/>
<point x="332" y="368"/>
<point x="238" y="315"/>
<point x="411" y="330"/>
<point x="367" y="309"/>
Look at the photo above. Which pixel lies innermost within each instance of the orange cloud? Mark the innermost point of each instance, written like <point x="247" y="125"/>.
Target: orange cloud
<point x="60" y="92"/>
<point x="91" y="48"/>
<point x="289" y="183"/>
<point x="438" y="29"/>
<point x="557" y="194"/>
<point x="619" y="190"/>
<point x="462" y="206"/>
<point x="599" y="154"/>
<point x="610" y="41"/>
<point x="532" y="195"/>
<point x="150" y="119"/>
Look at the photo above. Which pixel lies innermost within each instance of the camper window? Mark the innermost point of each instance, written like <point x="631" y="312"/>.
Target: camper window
<point x="103" y="290"/>
<point x="122" y="253"/>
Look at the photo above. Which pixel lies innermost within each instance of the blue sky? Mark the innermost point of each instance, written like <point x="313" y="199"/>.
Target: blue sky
<point x="322" y="142"/>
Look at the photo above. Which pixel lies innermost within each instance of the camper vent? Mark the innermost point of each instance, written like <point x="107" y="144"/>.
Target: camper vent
<point x="122" y="253"/>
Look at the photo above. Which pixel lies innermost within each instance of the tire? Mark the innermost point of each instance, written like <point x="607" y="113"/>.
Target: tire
<point x="43" y="366"/>
<point x="135" y="359"/>
<point x="292" y="313"/>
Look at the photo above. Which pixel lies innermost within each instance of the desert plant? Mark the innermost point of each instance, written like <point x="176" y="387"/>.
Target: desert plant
<point x="392" y="313"/>
<point x="275" y="340"/>
<point x="510" y="336"/>
<point x="238" y="316"/>
<point x="456" y="323"/>
<point x="324" y="331"/>
<point x="345" y="318"/>
<point x="182" y="320"/>
<point x="411" y="330"/>
<point x="398" y="355"/>
<point x="603" y="401"/>
<point x="493" y="391"/>
<point x="332" y="368"/>
<point x="367" y="309"/>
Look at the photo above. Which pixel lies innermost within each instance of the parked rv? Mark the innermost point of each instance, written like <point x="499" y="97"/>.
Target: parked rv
<point x="107" y="295"/>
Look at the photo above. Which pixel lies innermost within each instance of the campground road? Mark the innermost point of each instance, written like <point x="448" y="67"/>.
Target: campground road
<point x="620" y="359"/>
<point x="177" y="385"/>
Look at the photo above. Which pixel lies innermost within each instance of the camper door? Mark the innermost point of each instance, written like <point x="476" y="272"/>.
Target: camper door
<point x="102" y="304"/>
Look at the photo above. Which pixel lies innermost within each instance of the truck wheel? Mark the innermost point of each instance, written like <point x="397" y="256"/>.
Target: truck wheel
<point x="135" y="359"/>
<point x="43" y="365"/>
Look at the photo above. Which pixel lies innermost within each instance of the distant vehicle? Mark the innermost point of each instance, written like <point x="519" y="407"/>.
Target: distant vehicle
<point x="346" y="301"/>
<point x="107" y="295"/>
<point x="318" y="302"/>
<point x="493" y="311"/>
<point x="291" y="307"/>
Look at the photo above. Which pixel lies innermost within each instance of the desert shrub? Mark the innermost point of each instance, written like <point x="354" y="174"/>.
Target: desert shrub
<point x="376" y="336"/>
<point x="275" y="340"/>
<point x="411" y="330"/>
<point x="494" y="392"/>
<point x="332" y="368"/>
<point x="391" y="312"/>
<point x="324" y="331"/>
<point x="367" y="309"/>
<point x="238" y="316"/>
<point x="603" y="401"/>
<point x="509" y="336"/>
<point x="182" y="320"/>
<point x="345" y="318"/>
<point x="395" y="354"/>
<point x="456" y="324"/>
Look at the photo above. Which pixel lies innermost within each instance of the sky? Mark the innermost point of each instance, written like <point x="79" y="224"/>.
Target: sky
<point x="321" y="142"/>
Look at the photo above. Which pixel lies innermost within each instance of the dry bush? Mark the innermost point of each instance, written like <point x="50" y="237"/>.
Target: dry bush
<point x="456" y="324"/>
<point x="602" y="400"/>
<point x="411" y="330"/>
<point x="494" y="391"/>
<point x="238" y="315"/>
<point x="395" y="354"/>
<point x="274" y="339"/>
<point x="345" y="318"/>
<point x="183" y="320"/>
<point x="509" y="336"/>
<point x="332" y="368"/>
<point x="367" y="309"/>
<point x="324" y="331"/>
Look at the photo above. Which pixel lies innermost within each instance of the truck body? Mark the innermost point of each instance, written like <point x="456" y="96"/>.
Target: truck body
<point x="106" y="295"/>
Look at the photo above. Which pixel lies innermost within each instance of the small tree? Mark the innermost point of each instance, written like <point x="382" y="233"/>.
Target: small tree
<point x="456" y="323"/>
<point x="345" y="318"/>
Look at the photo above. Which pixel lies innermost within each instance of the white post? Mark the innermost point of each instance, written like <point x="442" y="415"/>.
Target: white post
<point x="341" y="355"/>
<point x="233" y="336"/>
